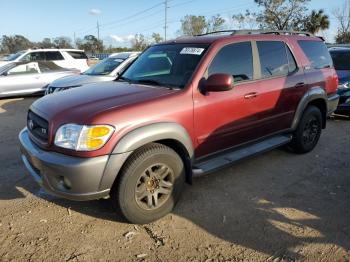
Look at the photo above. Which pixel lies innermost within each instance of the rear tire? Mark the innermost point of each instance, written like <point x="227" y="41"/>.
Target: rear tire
<point x="150" y="184"/>
<point x="308" y="132"/>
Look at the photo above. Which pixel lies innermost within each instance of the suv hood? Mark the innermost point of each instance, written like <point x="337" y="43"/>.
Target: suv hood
<point x="78" y="80"/>
<point x="78" y="105"/>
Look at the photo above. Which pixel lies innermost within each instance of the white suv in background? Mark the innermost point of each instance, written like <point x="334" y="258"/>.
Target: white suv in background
<point x="66" y="58"/>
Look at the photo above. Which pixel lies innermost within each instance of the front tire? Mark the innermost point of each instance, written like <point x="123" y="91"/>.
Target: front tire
<point x="149" y="184"/>
<point x="308" y="131"/>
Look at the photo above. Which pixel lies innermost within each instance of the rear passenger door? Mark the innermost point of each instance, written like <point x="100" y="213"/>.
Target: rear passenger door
<point x="281" y="86"/>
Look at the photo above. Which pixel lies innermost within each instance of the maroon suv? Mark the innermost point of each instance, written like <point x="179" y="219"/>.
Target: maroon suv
<point x="183" y="108"/>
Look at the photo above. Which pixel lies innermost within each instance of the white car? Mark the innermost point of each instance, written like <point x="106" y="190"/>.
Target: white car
<point x="107" y="70"/>
<point x="66" y="58"/>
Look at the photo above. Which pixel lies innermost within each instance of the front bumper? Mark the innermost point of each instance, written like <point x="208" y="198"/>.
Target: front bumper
<point x="70" y="177"/>
<point x="332" y="103"/>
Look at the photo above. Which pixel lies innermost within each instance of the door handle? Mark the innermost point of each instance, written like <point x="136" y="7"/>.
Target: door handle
<point x="301" y="84"/>
<point x="251" y="95"/>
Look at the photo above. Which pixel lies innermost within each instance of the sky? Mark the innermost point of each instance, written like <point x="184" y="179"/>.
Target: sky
<point x="121" y="19"/>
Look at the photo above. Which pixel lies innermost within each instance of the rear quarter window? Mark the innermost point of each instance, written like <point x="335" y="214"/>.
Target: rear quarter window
<point x="77" y="55"/>
<point x="53" y="56"/>
<point x="317" y="53"/>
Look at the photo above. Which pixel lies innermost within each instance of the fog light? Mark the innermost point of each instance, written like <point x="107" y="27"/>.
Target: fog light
<point x="65" y="183"/>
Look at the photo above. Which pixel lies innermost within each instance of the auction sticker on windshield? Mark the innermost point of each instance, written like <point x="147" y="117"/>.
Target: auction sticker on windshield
<point x="191" y="51"/>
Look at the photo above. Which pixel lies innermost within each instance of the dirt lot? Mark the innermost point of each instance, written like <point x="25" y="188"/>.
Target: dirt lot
<point x="277" y="206"/>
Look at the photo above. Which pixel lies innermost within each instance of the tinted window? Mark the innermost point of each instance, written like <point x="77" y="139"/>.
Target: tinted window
<point x="317" y="53"/>
<point x="77" y="55"/>
<point x="236" y="60"/>
<point x="341" y="60"/>
<point x="273" y="58"/>
<point x="34" y="56"/>
<point x="54" y="55"/>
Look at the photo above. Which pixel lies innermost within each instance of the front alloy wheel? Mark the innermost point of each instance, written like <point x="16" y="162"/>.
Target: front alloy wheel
<point x="149" y="184"/>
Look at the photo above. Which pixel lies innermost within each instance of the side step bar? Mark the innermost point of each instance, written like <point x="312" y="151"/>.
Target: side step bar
<point x="228" y="158"/>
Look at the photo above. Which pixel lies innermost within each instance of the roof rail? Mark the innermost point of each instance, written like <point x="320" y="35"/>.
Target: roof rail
<point x="257" y="31"/>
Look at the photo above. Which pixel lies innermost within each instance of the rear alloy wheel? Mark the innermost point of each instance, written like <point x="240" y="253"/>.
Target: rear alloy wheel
<point x="308" y="131"/>
<point x="149" y="184"/>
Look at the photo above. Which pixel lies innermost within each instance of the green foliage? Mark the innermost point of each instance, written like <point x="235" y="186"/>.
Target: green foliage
<point x="139" y="43"/>
<point x="316" y="21"/>
<point x="195" y="25"/>
<point x="90" y="44"/>
<point x="13" y="44"/>
<point x="156" y="38"/>
<point x="282" y="14"/>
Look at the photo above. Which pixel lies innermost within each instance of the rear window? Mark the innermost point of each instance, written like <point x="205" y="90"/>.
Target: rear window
<point x="53" y="56"/>
<point x="341" y="60"/>
<point x="275" y="59"/>
<point x="77" y="55"/>
<point x="317" y="53"/>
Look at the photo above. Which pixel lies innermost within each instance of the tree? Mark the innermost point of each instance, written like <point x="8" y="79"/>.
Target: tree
<point x="139" y="43"/>
<point x="195" y="25"/>
<point x="316" y="21"/>
<point x="245" y="21"/>
<point x="46" y="43"/>
<point x="282" y="14"/>
<point x="90" y="44"/>
<point x="156" y="38"/>
<point x="13" y="44"/>
<point x="215" y="23"/>
<point x="63" y="42"/>
<point x="342" y="14"/>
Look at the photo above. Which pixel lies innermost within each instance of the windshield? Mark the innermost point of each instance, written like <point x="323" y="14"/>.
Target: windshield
<point x="341" y="60"/>
<point x="105" y="67"/>
<point x="166" y="65"/>
<point x="14" y="56"/>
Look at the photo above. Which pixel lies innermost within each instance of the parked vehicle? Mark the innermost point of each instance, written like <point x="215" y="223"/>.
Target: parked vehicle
<point x="106" y="70"/>
<point x="341" y="59"/>
<point x="183" y="108"/>
<point x="66" y="58"/>
<point x="27" y="78"/>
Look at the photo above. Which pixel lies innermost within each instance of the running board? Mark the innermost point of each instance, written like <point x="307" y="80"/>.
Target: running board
<point x="228" y="158"/>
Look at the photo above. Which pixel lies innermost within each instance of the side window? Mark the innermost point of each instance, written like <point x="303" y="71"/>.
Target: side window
<point x="236" y="60"/>
<point x="34" y="56"/>
<point x="53" y="56"/>
<point x="77" y="55"/>
<point x="30" y="68"/>
<point x="317" y="53"/>
<point x="273" y="58"/>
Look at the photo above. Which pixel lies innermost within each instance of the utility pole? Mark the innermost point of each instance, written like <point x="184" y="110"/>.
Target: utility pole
<point x="166" y="19"/>
<point x="74" y="40"/>
<point x="98" y="31"/>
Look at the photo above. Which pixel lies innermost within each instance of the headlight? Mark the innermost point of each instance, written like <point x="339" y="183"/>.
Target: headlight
<point x="83" y="138"/>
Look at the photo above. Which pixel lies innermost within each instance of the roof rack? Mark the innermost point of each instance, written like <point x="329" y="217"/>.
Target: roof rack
<point x="257" y="31"/>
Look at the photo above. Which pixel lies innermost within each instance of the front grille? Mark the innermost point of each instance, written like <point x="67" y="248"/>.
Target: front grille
<point x="38" y="126"/>
<point x="49" y="90"/>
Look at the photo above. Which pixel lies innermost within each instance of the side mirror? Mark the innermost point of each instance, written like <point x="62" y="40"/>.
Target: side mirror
<point x="218" y="83"/>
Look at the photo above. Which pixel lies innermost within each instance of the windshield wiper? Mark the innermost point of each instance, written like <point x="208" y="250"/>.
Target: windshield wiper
<point x="148" y="81"/>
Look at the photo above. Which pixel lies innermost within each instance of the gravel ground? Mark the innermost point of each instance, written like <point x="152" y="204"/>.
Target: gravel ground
<point x="276" y="207"/>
